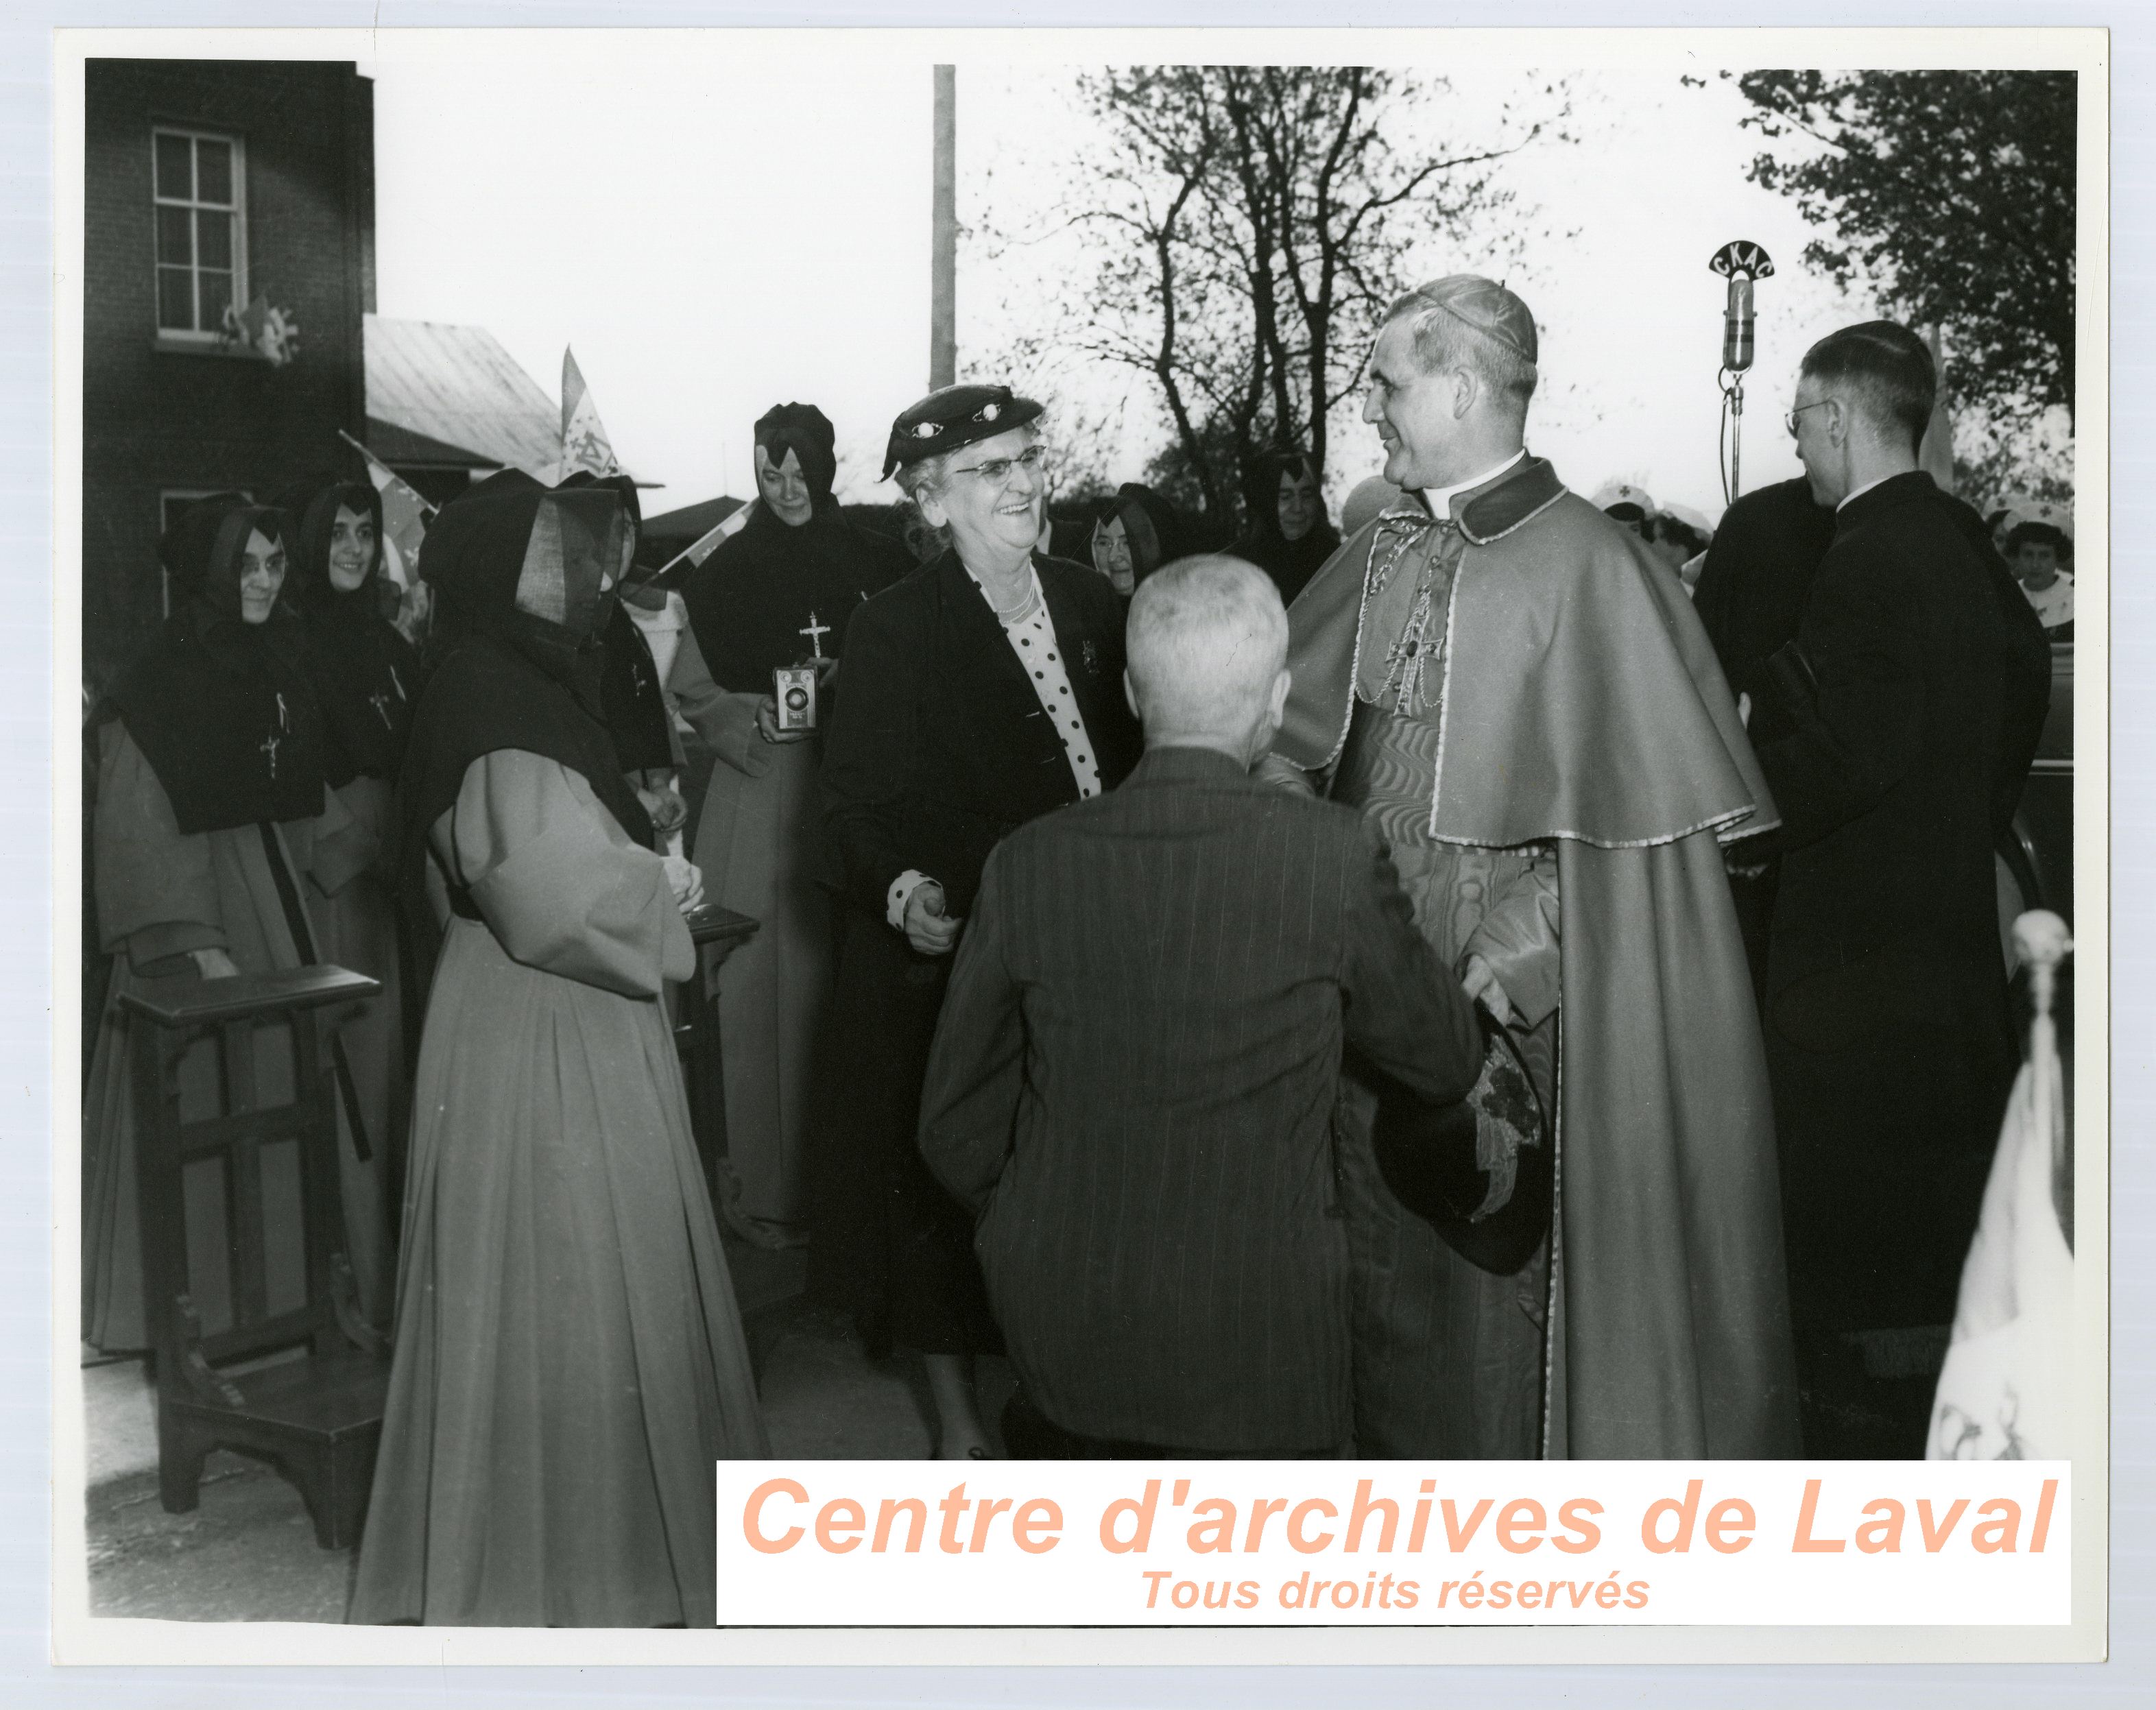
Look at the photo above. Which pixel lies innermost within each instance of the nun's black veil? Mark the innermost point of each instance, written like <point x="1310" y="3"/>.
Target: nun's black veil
<point x="516" y="570"/>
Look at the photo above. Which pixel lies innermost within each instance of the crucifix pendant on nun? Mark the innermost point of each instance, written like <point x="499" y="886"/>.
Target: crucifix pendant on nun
<point x="794" y="686"/>
<point x="270" y="744"/>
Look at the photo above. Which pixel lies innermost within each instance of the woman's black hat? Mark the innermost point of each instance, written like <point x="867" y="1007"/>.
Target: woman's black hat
<point x="950" y="417"/>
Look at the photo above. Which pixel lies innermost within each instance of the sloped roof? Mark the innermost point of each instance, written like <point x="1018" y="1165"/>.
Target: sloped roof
<point x="457" y="387"/>
<point x="400" y="447"/>
<point x="691" y="522"/>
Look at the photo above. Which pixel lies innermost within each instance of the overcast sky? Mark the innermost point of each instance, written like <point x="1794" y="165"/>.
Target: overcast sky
<point x="737" y="222"/>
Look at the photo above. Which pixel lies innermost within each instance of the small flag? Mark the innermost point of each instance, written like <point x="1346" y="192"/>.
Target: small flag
<point x="404" y="514"/>
<point x="704" y="545"/>
<point x="584" y="442"/>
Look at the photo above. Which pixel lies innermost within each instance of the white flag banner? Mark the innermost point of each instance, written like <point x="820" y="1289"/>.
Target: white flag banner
<point x="707" y="543"/>
<point x="584" y="443"/>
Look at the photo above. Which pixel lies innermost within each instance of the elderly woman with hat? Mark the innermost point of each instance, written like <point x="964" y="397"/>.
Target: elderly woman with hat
<point x="983" y="690"/>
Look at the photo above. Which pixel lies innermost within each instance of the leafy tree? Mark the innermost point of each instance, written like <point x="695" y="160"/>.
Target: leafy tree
<point x="1953" y="193"/>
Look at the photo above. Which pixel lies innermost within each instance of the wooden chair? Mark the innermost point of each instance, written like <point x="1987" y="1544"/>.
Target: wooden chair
<point x="318" y="1413"/>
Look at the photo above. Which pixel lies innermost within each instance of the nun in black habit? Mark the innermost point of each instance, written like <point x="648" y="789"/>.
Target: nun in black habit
<point x="631" y="692"/>
<point x="779" y="592"/>
<point x="1288" y="534"/>
<point x="569" y="1362"/>
<point x="215" y="838"/>
<point x="366" y="675"/>
<point x="1138" y="531"/>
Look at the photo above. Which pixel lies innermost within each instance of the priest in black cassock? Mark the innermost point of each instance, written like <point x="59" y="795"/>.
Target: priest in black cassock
<point x="777" y="593"/>
<point x="1751" y="598"/>
<point x="1921" y="688"/>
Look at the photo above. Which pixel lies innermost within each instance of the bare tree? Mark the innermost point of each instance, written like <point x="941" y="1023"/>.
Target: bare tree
<point x="1243" y="228"/>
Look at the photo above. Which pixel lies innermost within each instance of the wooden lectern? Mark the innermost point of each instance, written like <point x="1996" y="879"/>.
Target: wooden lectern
<point x="316" y="1412"/>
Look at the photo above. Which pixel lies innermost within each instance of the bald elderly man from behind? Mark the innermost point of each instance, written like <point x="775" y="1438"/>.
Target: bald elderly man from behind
<point x="1133" y="1079"/>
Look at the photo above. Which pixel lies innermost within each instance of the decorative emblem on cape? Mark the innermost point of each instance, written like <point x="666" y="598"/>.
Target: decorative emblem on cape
<point x="1409" y="678"/>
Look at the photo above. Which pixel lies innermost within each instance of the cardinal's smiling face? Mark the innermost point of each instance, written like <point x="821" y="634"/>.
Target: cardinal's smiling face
<point x="1421" y="416"/>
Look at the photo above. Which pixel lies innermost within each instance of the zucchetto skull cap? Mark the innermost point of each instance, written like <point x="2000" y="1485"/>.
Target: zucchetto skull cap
<point x="1488" y="307"/>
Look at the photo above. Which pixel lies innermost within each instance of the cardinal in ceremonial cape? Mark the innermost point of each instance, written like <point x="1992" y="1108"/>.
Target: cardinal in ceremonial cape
<point x="1522" y="699"/>
<point x="778" y="593"/>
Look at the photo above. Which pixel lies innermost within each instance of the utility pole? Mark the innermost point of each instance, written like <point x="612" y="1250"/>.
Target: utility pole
<point x="943" y="243"/>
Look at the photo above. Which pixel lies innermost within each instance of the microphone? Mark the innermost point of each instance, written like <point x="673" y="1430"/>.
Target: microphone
<point x="1740" y="263"/>
<point x="1736" y="326"/>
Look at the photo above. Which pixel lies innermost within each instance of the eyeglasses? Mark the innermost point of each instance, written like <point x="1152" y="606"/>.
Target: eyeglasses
<point x="997" y="470"/>
<point x="1789" y="417"/>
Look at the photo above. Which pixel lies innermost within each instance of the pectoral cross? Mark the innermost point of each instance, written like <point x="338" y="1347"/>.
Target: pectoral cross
<point x="380" y="700"/>
<point x="270" y="744"/>
<point x="815" y="631"/>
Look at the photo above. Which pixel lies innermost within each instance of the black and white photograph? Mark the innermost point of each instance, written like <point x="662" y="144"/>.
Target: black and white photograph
<point x="795" y="751"/>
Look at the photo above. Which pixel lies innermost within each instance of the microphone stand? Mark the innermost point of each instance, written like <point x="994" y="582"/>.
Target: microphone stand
<point x="1740" y="263"/>
<point x="1732" y="393"/>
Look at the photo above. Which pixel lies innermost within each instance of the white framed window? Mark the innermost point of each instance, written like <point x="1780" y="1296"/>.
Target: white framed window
<point x="170" y="502"/>
<point x="199" y="184"/>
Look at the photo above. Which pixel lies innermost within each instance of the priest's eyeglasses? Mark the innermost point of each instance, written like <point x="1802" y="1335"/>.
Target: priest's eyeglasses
<point x="1789" y="417"/>
<point x="997" y="470"/>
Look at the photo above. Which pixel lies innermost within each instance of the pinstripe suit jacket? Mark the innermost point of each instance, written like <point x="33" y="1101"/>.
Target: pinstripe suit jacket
<point x="1132" y="1083"/>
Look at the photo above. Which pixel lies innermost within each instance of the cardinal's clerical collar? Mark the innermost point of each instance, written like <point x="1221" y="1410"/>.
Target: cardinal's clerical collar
<point x="1440" y="499"/>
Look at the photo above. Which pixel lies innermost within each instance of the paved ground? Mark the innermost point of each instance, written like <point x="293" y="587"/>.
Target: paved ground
<point x="247" y="1552"/>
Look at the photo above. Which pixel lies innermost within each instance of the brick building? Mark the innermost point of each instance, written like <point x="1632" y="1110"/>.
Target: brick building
<point x="207" y="182"/>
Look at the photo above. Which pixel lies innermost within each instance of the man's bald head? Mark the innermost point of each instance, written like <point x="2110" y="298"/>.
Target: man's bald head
<point x="1207" y="647"/>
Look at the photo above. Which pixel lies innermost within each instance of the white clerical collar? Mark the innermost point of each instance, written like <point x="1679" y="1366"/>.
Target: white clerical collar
<point x="1859" y="492"/>
<point x="1440" y="499"/>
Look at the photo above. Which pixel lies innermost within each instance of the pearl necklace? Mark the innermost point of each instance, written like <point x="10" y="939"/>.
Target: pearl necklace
<point x="1018" y="613"/>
